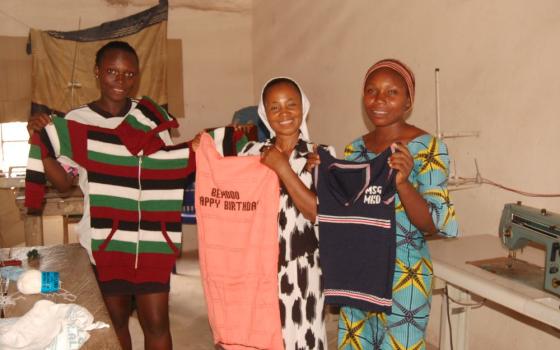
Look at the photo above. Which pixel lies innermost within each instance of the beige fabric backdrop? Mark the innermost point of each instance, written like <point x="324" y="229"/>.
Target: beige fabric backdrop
<point x="57" y="62"/>
<point x="15" y="73"/>
<point x="175" y="78"/>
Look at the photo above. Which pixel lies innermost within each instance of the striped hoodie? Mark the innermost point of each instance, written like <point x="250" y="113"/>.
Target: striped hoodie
<point x="135" y="186"/>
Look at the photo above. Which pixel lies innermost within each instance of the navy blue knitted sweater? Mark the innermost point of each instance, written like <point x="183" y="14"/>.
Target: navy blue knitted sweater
<point x="356" y="215"/>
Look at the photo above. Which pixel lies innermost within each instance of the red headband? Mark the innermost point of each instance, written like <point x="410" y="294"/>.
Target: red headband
<point x="401" y="69"/>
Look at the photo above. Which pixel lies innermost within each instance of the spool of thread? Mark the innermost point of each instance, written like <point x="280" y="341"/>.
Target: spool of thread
<point x="35" y="281"/>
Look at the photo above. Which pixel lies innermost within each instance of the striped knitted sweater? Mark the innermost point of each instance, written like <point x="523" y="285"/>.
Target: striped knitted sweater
<point x="135" y="186"/>
<point x="229" y="140"/>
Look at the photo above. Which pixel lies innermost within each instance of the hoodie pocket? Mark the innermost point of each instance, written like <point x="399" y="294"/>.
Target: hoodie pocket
<point x="168" y="240"/>
<point x="105" y="243"/>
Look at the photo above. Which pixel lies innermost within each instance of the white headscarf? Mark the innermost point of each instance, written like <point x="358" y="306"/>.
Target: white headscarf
<point x="304" y="107"/>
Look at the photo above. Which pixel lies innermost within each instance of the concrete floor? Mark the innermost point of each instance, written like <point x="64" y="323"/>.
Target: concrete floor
<point x="189" y="323"/>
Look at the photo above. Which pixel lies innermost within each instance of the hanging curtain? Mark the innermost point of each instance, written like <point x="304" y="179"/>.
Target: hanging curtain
<point x="63" y="62"/>
<point x="15" y="85"/>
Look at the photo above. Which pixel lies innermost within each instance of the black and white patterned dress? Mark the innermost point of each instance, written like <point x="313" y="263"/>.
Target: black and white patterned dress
<point x="300" y="284"/>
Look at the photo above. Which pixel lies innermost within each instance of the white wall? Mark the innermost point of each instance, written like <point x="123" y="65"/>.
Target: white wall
<point x="217" y="65"/>
<point x="499" y="75"/>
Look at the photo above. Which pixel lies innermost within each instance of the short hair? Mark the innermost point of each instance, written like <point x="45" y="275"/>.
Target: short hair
<point x="277" y="81"/>
<point x="115" y="45"/>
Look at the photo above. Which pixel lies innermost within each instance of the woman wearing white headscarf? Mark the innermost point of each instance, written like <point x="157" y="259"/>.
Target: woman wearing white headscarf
<point x="283" y="109"/>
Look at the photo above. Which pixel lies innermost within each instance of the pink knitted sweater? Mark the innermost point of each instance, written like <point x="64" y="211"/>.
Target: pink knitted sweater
<point x="236" y="211"/>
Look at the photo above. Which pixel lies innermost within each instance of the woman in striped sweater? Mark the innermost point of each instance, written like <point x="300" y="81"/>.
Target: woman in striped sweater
<point x="117" y="71"/>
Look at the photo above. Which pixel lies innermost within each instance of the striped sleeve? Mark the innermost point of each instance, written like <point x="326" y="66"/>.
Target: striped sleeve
<point x="231" y="141"/>
<point x="150" y="115"/>
<point x="35" y="173"/>
<point x="53" y="141"/>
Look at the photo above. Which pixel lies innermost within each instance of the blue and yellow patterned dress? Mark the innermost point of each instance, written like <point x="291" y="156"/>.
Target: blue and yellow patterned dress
<point x="412" y="283"/>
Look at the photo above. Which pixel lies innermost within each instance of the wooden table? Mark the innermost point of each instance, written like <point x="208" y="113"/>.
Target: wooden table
<point x="77" y="277"/>
<point x="451" y="259"/>
<point x="56" y="204"/>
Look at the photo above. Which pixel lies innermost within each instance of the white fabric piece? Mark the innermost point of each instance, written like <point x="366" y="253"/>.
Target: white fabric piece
<point x="48" y="326"/>
<point x="305" y="105"/>
<point x="29" y="282"/>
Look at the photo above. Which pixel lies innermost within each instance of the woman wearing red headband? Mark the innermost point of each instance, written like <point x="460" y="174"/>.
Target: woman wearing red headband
<point x="422" y="208"/>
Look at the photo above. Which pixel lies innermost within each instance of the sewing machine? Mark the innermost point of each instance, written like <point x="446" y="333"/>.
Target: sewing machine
<point x="521" y="224"/>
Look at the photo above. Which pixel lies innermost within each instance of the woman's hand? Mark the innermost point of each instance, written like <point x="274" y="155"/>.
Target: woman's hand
<point x="415" y="206"/>
<point x="313" y="159"/>
<point x="274" y="159"/>
<point x="196" y="142"/>
<point x="37" y="122"/>
<point x="304" y="199"/>
<point x="402" y="162"/>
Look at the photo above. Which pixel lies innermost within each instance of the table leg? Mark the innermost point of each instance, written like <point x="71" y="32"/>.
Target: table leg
<point x="33" y="227"/>
<point x="457" y="318"/>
